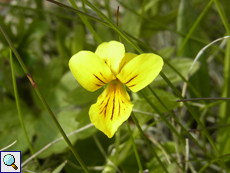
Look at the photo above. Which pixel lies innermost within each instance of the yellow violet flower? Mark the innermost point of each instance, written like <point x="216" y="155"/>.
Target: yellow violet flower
<point x="112" y="66"/>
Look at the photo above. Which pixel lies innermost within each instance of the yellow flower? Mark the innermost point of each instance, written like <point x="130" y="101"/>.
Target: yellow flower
<point x="112" y="66"/>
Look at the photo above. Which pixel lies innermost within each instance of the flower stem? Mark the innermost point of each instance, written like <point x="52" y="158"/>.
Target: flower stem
<point x="134" y="148"/>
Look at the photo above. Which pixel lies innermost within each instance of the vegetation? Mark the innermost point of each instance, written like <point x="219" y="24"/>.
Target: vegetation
<point x="180" y="122"/>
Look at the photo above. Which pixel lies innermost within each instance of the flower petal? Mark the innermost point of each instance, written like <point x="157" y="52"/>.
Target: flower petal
<point x="113" y="107"/>
<point x="90" y="70"/>
<point x="112" y="53"/>
<point x="140" y="71"/>
<point x="128" y="57"/>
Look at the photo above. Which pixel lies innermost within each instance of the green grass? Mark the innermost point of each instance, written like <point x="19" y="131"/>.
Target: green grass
<point x="49" y="107"/>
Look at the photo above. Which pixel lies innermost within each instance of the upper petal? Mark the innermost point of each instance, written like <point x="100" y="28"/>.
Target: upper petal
<point x="128" y="57"/>
<point x="90" y="70"/>
<point x="140" y="71"/>
<point x="113" y="107"/>
<point x="112" y="53"/>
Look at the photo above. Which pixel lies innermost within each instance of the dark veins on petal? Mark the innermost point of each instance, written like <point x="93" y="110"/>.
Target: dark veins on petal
<point x="102" y="75"/>
<point x="119" y="108"/>
<point x="106" y="107"/>
<point x="99" y="78"/>
<point x="113" y="105"/>
<point x="98" y="85"/>
<point x="131" y="79"/>
<point x="132" y="85"/>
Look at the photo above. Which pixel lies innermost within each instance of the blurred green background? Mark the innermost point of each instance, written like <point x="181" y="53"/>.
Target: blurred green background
<point x="190" y="137"/>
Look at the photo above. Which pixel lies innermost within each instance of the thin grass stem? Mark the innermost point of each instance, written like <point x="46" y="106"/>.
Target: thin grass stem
<point x="21" y="118"/>
<point x="134" y="148"/>
<point x="186" y="154"/>
<point x="204" y="98"/>
<point x="223" y="16"/>
<point x="8" y="146"/>
<point x="147" y="142"/>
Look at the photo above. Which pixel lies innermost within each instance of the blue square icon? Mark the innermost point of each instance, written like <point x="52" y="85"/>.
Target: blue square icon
<point x="10" y="161"/>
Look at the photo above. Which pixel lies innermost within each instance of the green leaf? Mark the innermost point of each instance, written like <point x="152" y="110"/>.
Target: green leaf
<point x="61" y="36"/>
<point x="105" y="33"/>
<point x="34" y="33"/>
<point x="11" y="129"/>
<point x="3" y="41"/>
<point x="46" y="131"/>
<point x="182" y="65"/>
<point x="131" y="24"/>
<point x="70" y="120"/>
<point x="47" y="78"/>
<point x="66" y="84"/>
<point x="5" y="74"/>
<point x="79" y="39"/>
<point x="81" y="96"/>
<point x="144" y="111"/>
<point x="166" y="52"/>
<point x="158" y="22"/>
<point x="148" y="6"/>
<point x="83" y="119"/>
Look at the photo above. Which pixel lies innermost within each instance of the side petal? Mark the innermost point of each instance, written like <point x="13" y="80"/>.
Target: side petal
<point x="113" y="107"/>
<point x="140" y="71"/>
<point x="112" y="53"/>
<point x="90" y="70"/>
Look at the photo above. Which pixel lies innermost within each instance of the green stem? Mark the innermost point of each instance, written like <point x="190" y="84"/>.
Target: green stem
<point x="118" y="23"/>
<point x="147" y="142"/>
<point x="43" y="100"/>
<point x="117" y="143"/>
<point x="134" y="148"/>
<point x="223" y="16"/>
<point x="21" y="118"/>
<point x="107" y="6"/>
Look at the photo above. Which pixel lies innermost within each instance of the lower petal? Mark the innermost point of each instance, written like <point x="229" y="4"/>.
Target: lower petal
<point x="113" y="107"/>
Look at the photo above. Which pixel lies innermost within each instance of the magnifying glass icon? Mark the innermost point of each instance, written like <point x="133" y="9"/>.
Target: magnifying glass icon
<point x="9" y="160"/>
